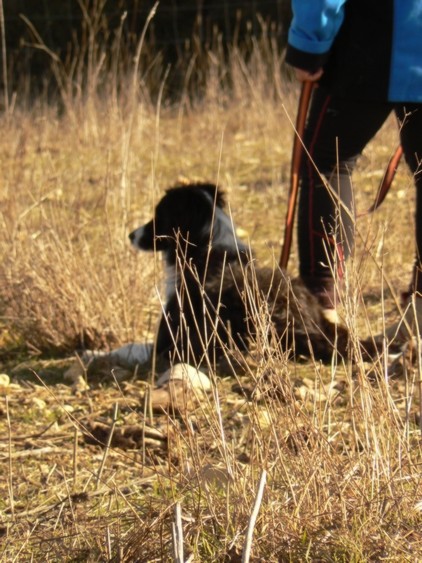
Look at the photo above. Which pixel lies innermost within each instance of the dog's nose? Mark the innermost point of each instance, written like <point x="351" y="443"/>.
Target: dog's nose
<point x="132" y="236"/>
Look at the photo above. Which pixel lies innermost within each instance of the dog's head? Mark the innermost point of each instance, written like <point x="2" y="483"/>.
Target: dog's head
<point x="190" y="215"/>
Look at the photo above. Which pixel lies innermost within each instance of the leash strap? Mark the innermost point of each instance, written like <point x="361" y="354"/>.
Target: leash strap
<point x="387" y="180"/>
<point x="297" y="152"/>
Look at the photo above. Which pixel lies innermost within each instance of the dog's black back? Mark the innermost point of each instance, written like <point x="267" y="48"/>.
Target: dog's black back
<point x="214" y="292"/>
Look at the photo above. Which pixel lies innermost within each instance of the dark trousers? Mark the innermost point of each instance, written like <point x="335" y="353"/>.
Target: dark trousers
<point x="336" y="133"/>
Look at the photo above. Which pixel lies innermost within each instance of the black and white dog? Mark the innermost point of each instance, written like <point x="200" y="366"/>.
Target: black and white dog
<point x="216" y="299"/>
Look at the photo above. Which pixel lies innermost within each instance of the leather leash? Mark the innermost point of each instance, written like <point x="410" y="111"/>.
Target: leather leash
<point x="305" y="96"/>
<point x="387" y="180"/>
<point x="297" y="153"/>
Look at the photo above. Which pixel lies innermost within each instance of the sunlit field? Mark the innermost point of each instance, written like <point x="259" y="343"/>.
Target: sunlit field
<point x="99" y="467"/>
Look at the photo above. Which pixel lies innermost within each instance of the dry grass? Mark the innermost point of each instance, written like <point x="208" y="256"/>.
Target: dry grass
<point x="340" y="446"/>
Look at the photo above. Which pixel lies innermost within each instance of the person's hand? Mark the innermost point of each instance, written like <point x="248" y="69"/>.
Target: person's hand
<point x="305" y="76"/>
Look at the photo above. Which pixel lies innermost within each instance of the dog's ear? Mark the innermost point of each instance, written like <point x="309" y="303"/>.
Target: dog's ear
<point x="216" y="194"/>
<point x="212" y="190"/>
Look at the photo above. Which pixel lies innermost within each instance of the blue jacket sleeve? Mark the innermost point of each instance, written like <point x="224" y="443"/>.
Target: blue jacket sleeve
<point x="312" y="32"/>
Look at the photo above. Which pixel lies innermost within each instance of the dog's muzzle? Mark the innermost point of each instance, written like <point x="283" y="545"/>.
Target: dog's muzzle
<point x="136" y="237"/>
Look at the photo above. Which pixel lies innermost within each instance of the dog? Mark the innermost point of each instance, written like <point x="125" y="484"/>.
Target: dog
<point x="216" y="296"/>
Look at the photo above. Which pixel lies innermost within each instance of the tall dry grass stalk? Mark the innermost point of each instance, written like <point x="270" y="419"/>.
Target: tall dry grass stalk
<point x="4" y="59"/>
<point x="339" y="444"/>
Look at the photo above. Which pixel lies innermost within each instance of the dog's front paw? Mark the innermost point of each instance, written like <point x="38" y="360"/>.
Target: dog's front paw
<point x="132" y="355"/>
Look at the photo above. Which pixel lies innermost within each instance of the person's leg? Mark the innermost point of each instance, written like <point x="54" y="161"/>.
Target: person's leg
<point x="410" y="324"/>
<point x="410" y="123"/>
<point x="336" y="133"/>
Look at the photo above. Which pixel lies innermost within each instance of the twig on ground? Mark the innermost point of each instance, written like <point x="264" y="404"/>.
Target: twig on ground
<point x="177" y="535"/>
<point x="33" y="452"/>
<point x="27" y="437"/>
<point x="107" y="446"/>
<point x="10" y="476"/>
<point x="75" y="456"/>
<point x="252" y="520"/>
